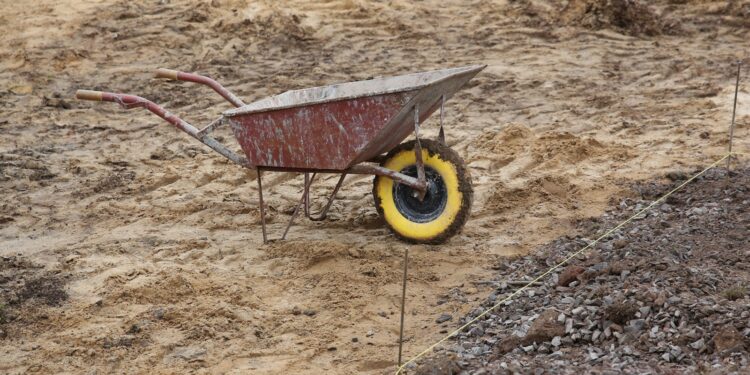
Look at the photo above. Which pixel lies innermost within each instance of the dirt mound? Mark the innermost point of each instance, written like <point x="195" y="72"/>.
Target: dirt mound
<point x="517" y="145"/>
<point x="547" y="189"/>
<point x="268" y="23"/>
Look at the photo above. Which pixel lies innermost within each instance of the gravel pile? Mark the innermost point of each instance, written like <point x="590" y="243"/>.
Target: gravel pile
<point x="668" y="293"/>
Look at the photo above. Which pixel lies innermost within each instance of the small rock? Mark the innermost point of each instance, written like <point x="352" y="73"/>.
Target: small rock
<point x="355" y="339"/>
<point x="556" y="341"/>
<point x="443" y="318"/>
<point x="595" y="335"/>
<point x="674" y="300"/>
<point x="635" y="326"/>
<point x="476" y="331"/>
<point x="134" y="328"/>
<point x="309" y="312"/>
<point x="370" y="333"/>
<point x="645" y="310"/>
<point x="660" y="299"/>
<point x="189" y="353"/>
<point x="619" y="244"/>
<point x="568" y="300"/>
<point x="158" y="313"/>
<point x="677" y="176"/>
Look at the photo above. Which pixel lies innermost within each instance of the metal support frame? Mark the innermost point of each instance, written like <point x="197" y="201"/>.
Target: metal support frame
<point x="305" y="193"/>
<point x="303" y="202"/>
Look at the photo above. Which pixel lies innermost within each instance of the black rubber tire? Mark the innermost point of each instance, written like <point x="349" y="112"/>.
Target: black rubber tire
<point x="464" y="186"/>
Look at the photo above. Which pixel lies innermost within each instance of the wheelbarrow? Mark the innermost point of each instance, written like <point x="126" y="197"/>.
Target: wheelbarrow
<point x="422" y="188"/>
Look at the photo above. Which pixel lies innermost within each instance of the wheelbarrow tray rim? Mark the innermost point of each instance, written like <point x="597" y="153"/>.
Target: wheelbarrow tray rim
<point x="351" y="90"/>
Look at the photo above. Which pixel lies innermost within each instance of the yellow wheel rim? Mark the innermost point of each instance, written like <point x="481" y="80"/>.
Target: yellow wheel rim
<point x="400" y="223"/>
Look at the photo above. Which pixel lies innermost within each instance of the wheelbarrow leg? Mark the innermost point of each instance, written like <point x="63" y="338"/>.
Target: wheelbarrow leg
<point x="262" y="208"/>
<point x="305" y="193"/>
<point x="322" y="215"/>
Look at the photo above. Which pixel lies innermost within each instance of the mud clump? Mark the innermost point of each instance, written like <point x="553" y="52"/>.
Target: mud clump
<point x="27" y="290"/>
<point x="46" y="289"/>
<point x="22" y="280"/>
<point x="620" y="312"/>
<point x="632" y="16"/>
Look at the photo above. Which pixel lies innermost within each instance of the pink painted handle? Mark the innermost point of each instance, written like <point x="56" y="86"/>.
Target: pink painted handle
<point x="190" y="77"/>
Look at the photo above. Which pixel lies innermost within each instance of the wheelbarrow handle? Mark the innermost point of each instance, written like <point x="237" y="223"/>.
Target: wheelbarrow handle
<point x="167" y="73"/>
<point x="132" y="101"/>
<point x="190" y="77"/>
<point x="89" y="95"/>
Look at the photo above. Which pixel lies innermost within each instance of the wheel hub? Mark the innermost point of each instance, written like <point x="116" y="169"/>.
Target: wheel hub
<point x="407" y="198"/>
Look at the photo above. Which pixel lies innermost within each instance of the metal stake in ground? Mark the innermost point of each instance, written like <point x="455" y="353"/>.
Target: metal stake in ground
<point x="403" y="303"/>
<point x="734" y="112"/>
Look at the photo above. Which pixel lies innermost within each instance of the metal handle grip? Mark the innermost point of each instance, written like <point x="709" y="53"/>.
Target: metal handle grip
<point x="89" y="95"/>
<point x="166" y="73"/>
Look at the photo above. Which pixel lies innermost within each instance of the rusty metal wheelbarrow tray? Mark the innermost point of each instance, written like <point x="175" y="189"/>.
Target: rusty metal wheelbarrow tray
<point x="337" y="126"/>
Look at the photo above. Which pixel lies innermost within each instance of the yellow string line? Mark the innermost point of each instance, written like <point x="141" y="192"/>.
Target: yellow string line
<point x="563" y="262"/>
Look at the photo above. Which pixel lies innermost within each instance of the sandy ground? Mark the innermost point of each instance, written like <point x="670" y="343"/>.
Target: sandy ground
<point x="158" y="239"/>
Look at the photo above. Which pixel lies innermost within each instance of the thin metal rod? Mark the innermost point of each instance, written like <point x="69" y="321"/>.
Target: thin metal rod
<point x="734" y="112"/>
<point x="262" y="209"/>
<point x="322" y="215"/>
<point x="418" y="154"/>
<point x="441" y="135"/>
<point x="383" y="171"/>
<point x="301" y="202"/>
<point x="403" y="304"/>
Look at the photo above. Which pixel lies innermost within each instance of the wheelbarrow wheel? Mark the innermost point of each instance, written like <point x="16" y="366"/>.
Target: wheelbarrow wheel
<point x="446" y="205"/>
